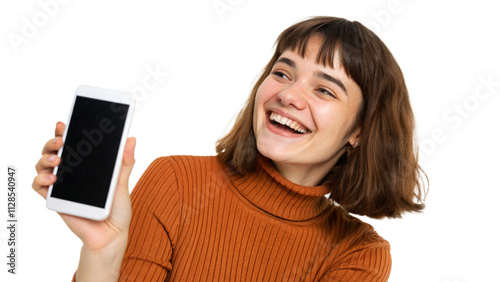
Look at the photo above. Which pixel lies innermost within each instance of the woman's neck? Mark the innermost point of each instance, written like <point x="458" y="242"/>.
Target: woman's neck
<point x="304" y="175"/>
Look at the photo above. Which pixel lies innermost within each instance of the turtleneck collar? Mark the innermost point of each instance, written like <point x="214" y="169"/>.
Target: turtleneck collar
<point x="269" y="191"/>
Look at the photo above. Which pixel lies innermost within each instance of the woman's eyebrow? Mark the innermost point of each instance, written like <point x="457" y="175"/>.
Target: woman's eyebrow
<point x="332" y="79"/>
<point x="286" y="61"/>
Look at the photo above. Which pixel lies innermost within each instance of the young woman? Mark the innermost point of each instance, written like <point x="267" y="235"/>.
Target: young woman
<point x="329" y="115"/>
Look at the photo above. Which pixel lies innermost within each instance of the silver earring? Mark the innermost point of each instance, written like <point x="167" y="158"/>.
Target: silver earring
<point x="351" y="148"/>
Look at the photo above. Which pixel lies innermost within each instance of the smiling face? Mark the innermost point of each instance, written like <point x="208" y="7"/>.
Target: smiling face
<point x="304" y="114"/>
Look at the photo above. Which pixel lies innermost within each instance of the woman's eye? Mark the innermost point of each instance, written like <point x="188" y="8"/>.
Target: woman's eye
<point x="280" y="74"/>
<point x="327" y="92"/>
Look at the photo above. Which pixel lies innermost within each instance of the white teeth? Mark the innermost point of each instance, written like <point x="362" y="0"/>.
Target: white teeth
<point x="288" y="122"/>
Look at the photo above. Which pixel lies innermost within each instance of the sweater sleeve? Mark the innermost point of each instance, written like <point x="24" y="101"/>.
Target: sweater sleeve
<point x="371" y="262"/>
<point x="153" y="229"/>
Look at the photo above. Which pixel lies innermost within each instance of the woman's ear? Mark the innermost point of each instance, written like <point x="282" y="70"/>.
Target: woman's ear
<point x="355" y="136"/>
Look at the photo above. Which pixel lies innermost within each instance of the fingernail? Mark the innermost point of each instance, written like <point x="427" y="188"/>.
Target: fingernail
<point x="50" y="177"/>
<point x="55" y="139"/>
<point x="52" y="158"/>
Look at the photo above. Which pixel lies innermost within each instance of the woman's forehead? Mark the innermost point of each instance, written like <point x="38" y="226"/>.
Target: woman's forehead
<point x="314" y="51"/>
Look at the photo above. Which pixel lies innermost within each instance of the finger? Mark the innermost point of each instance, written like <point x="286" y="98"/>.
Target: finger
<point x="127" y="163"/>
<point x="120" y="211"/>
<point x="42" y="182"/>
<point x="128" y="152"/>
<point x="47" y="163"/>
<point x="60" y="127"/>
<point x="52" y="146"/>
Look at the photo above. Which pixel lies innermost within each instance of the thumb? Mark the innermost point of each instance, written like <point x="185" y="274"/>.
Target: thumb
<point x="127" y="163"/>
<point x="121" y="209"/>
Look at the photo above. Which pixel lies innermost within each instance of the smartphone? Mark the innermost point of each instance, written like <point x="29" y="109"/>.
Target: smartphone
<point x="92" y="153"/>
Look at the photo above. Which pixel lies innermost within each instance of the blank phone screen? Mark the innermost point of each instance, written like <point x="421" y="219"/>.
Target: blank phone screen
<point x="89" y="152"/>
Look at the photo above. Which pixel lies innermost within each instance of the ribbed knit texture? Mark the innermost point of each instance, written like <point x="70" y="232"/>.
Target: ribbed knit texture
<point x="193" y="219"/>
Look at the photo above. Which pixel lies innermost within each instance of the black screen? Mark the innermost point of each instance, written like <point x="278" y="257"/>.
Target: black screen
<point x="89" y="152"/>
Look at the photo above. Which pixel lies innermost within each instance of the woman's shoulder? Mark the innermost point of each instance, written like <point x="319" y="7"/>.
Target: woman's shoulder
<point x="185" y="162"/>
<point x="169" y="176"/>
<point x="183" y="168"/>
<point x="357" y="251"/>
<point x="353" y="231"/>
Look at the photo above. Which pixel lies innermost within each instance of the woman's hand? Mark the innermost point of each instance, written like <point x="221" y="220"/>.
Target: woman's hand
<point x="104" y="242"/>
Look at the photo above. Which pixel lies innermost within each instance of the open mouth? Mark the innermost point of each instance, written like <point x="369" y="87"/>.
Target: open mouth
<point x="287" y="124"/>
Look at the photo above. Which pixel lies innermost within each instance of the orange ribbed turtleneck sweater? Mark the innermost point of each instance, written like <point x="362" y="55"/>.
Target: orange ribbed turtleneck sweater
<point x="193" y="219"/>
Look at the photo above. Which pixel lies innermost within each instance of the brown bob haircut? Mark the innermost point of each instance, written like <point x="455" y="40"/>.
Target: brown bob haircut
<point x="381" y="177"/>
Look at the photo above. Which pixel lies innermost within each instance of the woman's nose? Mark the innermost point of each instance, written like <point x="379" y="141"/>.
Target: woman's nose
<point x="293" y="96"/>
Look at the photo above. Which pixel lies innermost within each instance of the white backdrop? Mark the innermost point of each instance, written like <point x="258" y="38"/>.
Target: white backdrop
<point x="201" y="58"/>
